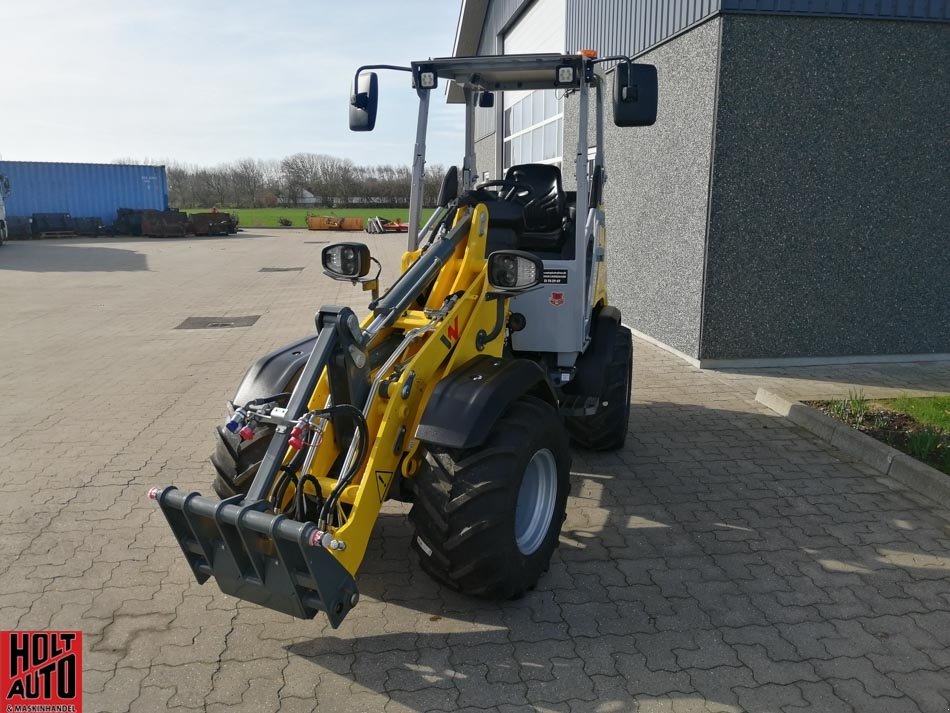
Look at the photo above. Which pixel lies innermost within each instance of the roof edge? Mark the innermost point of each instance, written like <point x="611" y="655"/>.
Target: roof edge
<point x="468" y="33"/>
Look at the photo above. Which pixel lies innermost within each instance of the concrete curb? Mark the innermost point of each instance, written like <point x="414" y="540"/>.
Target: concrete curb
<point x="917" y="476"/>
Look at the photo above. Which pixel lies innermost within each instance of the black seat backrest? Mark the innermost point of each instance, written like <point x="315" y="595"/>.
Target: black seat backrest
<point x="545" y="209"/>
<point x="505" y="225"/>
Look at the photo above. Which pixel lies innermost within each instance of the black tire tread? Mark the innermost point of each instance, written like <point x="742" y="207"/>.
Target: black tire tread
<point x="464" y="502"/>
<point x="236" y="461"/>
<point x="607" y="429"/>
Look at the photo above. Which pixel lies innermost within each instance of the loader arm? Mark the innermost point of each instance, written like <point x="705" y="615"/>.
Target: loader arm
<point x="260" y="548"/>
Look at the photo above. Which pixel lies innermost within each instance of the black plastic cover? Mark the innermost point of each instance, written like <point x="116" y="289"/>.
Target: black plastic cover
<point x="274" y="373"/>
<point x="467" y="403"/>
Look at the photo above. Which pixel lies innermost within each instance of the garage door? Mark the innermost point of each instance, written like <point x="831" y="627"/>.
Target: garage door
<point x="533" y="121"/>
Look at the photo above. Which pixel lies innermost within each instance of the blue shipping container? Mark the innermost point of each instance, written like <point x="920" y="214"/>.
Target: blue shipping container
<point x="84" y="190"/>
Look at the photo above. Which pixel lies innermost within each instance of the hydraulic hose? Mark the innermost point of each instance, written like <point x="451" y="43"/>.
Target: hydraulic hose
<point x="363" y="438"/>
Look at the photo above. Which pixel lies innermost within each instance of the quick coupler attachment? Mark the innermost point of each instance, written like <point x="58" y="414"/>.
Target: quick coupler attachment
<point x="257" y="556"/>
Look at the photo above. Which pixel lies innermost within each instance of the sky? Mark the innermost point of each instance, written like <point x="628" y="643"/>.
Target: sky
<point x="210" y="81"/>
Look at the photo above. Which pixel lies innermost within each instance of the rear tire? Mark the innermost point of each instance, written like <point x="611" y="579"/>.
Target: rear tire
<point x="477" y="530"/>
<point x="607" y="429"/>
<point x="236" y="461"/>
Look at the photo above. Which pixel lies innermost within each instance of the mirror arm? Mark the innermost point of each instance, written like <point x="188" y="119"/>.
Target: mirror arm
<point x="360" y="70"/>
<point x="614" y="58"/>
<point x="371" y="283"/>
<point x="483" y="337"/>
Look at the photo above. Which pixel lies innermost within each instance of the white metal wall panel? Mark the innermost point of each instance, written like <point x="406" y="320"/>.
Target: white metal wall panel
<point x="542" y="28"/>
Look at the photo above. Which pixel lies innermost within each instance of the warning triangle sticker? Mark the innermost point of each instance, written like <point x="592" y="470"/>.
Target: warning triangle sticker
<point x="382" y="482"/>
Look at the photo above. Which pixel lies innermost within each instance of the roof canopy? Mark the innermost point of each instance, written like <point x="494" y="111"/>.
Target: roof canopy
<point x="503" y="72"/>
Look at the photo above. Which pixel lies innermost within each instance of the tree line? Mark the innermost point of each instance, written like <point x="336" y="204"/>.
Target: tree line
<point x="334" y="182"/>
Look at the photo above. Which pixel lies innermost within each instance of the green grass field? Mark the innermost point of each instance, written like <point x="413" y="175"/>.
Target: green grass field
<point x="932" y="411"/>
<point x="269" y="217"/>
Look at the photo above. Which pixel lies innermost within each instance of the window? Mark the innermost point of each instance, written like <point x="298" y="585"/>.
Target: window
<point x="533" y="128"/>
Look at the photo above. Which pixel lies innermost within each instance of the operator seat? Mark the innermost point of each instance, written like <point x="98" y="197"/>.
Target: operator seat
<point x="546" y="218"/>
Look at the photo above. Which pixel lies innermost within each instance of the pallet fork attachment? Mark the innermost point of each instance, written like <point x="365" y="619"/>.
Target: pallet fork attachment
<point x="253" y="555"/>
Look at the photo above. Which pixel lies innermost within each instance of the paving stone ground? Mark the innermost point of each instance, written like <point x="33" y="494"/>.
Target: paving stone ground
<point x="722" y="561"/>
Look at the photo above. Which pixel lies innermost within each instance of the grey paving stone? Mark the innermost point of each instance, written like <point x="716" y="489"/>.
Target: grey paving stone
<point x="721" y="561"/>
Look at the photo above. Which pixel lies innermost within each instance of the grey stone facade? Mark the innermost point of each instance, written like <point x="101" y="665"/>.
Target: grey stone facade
<point x="485" y="155"/>
<point x="829" y="229"/>
<point x="792" y="200"/>
<point x="657" y="192"/>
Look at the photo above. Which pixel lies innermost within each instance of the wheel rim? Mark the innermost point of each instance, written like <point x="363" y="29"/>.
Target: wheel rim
<point x="536" y="497"/>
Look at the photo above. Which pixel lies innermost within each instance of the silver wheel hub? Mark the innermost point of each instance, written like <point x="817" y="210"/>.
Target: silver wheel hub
<point x="536" y="496"/>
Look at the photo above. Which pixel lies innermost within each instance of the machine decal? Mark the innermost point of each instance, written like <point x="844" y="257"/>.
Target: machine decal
<point x="382" y="482"/>
<point x="554" y="277"/>
<point x="557" y="299"/>
<point x="452" y="331"/>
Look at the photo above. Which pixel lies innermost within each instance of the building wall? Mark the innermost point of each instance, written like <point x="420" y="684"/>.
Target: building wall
<point x="830" y="203"/>
<point x="624" y="27"/>
<point x="751" y="243"/>
<point x="498" y="16"/>
<point x="485" y="156"/>
<point x="633" y="26"/>
<point x="656" y="193"/>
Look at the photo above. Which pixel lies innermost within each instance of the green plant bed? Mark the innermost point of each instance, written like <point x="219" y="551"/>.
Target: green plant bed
<point x="297" y="217"/>
<point x="917" y="426"/>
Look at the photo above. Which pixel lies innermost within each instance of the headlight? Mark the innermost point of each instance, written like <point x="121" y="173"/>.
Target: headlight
<point x="346" y="260"/>
<point x="514" y="270"/>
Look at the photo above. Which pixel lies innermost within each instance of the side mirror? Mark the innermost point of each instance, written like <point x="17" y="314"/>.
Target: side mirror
<point x="363" y="102"/>
<point x="635" y="94"/>
<point x="514" y="270"/>
<point x="346" y="261"/>
<point x="486" y="100"/>
<point x="450" y="187"/>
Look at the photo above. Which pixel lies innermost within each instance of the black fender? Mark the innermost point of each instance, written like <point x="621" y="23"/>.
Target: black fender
<point x="467" y="403"/>
<point x="592" y="364"/>
<point x="274" y="373"/>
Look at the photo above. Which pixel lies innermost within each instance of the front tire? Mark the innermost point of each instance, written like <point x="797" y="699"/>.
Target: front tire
<point x="487" y="519"/>
<point x="237" y="461"/>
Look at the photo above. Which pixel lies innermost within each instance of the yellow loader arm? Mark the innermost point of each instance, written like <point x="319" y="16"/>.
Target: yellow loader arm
<point x="295" y="541"/>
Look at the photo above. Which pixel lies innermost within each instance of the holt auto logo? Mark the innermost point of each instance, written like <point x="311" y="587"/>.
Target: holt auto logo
<point x="557" y="298"/>
<point x="41" y="671"/>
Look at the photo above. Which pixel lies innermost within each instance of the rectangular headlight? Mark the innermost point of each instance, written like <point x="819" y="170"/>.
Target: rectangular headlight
<point x="346" y="260"/>
<point x="513" y="270"/>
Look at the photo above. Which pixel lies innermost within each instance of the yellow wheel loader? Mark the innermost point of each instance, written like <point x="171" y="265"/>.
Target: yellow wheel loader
<point x="457" y="391"/>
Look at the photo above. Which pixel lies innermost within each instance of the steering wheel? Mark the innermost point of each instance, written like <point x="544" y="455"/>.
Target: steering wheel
<point x="510" y="190"/>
